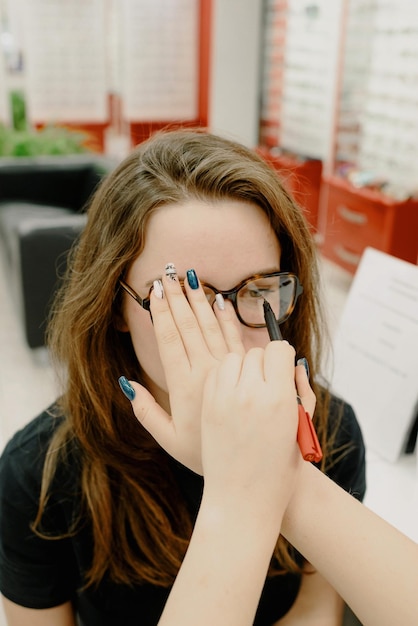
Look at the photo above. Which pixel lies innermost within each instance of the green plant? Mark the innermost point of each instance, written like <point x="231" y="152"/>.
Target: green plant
<point x="18" y="106"/>
<point x="51" y="140"/>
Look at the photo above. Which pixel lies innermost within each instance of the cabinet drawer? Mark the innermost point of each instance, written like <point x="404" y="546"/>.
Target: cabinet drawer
<point x="355" y="222"/>
<point x="357" y="218"/>
<point x="352" y="223"/>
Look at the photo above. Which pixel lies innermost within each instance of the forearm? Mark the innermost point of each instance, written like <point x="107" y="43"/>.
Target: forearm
<point x="16" y="615"/>
<point x="223" y="573"/>
<point x="350" y="546"/>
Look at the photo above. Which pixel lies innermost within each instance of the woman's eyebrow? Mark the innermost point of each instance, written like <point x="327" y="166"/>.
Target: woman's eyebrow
<point x="267" y="270"/>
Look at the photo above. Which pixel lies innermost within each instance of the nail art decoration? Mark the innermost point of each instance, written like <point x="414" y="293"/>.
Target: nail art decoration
<point x="303" y="361"/>
<point x="192" y="279"/>
<point x="127" y="388"/>
<point x="158" y="289"/>
<point x="170" y="271"/>
<point x="220" y="301"/>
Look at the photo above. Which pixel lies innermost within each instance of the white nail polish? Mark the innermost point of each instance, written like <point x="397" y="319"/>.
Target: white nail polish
<point x="158" y="289"/>
<point x="220" y="301"/>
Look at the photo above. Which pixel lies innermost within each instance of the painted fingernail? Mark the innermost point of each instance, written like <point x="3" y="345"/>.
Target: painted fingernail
<point x="158" y="289"/>
<point x="170" y="271"/>
<point x="192" y="279"/>
<point x="219" y="299"/>
<point x="127" y="388"/>
<point x="303" y="361"/>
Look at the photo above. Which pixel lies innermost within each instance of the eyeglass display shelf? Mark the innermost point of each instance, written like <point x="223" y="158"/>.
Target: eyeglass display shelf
<point x="361" y="217"/>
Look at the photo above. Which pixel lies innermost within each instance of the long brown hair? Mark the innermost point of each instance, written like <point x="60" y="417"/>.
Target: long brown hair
<point x="140" y="522"/>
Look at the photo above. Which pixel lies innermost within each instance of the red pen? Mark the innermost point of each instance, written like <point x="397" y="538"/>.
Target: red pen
<point x="307" y="438"/>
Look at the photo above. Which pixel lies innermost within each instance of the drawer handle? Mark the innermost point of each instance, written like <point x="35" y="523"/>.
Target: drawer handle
<point x="345" y="255"/>
<point x="352" y="216"/>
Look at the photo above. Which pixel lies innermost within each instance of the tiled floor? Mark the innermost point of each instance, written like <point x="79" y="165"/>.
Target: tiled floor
<point x="27" y="382"/>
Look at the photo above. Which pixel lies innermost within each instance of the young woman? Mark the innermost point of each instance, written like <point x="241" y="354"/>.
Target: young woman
<point x="96" y="514"/>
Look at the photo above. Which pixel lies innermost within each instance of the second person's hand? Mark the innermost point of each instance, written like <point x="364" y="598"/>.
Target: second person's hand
<point x="249" y="425"/>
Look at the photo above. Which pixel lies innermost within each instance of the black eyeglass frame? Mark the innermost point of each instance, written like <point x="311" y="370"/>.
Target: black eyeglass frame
<point x="230" y="294"/>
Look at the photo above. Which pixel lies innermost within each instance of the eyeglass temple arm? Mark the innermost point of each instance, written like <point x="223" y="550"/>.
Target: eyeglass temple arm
<point x="131" y="293"/>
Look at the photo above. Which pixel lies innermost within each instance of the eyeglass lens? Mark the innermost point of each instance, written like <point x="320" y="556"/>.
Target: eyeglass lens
<point x="279" y="291"/>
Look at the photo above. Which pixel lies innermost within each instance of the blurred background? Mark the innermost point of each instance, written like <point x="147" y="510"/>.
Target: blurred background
<point x="325" y="90"/>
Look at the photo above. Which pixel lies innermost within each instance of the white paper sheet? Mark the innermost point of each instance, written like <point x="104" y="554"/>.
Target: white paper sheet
<point x="376" y="351"/>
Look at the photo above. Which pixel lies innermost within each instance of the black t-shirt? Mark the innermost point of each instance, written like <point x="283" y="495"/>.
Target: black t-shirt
<point x="42" y="573"/>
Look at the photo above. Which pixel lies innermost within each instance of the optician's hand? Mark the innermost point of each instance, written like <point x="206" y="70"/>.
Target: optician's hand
<point x="191" y="342"/>
<point x="249" y="426"/>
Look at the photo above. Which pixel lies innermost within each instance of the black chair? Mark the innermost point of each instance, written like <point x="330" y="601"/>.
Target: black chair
<point x="42" y="204"/>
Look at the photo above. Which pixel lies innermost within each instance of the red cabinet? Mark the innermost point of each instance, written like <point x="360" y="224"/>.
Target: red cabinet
<point x="301" y="177"/>
<point x="357" y="218"/>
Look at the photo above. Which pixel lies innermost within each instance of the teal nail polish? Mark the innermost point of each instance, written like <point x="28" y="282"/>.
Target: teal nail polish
<point x="303" y="361"/>
<point x="192" y="279"/>
<point x="127" y="388"/>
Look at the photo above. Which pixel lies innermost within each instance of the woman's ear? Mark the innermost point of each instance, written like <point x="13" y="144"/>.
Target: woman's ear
<point x="120" y="323"/>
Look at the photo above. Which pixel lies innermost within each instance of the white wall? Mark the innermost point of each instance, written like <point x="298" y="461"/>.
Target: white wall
<point x="235" y="69"/>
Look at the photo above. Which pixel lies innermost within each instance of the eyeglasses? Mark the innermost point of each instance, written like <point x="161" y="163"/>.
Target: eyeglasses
<point x="280" y="289"/>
